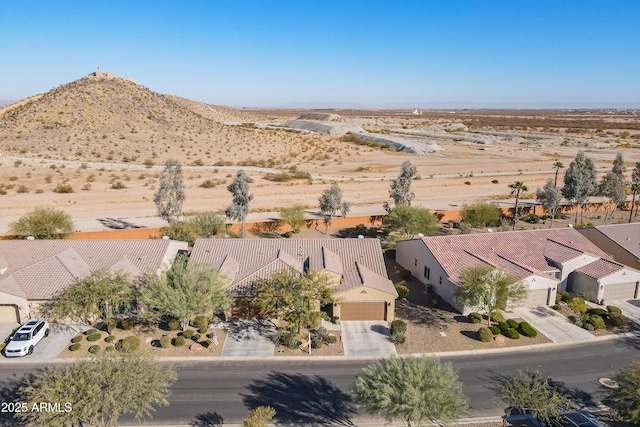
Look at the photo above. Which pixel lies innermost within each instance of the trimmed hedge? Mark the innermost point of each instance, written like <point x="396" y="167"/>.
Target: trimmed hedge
<point x="196" y="337"/>
<point x="165" y="341"/>
<point x="598" y="311"/>
<point x="94" y="337"/>
<point x="203" y="330"/>
<point x="503" y="326"/>
<point x="130" y="344"/>
<point x="398" y="337"/>
<point x="513" y="324"/>
<point x="399" y="326"/>
<point x="613" y="309"/>
<point x="94" y="349"/>
<point x="76" y="339"/>
<point x="201" y="322"/>
<point x="511" y="333"/>
<point x="110" y="338"/>
<point x="485" y="334"/>
<point x="402" y="291"/>
<point x="617" y="319"/>
<point x="206" y="343"/>
<point x="494" y="330"/>
<point x="173" y="325"/>
<point x="90" y="331"/>
<point x="75" y="347"/>
<point x="110" y="348"/>
<point x="527" y="330"/>
<point x="188" y="334"/>
<point x="178" y="341"/>
<point x="497" y="317"/>
<point x="566" y="297"/>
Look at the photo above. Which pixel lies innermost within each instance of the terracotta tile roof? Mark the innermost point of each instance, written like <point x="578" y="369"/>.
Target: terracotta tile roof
<point x="259" y="258"/>
<point x="601" y="268"/>
<point x="40" y="268"/>
<point x="522" y="253"/>
<point x="625" y="235"/>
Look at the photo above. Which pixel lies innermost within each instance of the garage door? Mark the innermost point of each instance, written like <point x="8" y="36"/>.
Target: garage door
<point x="8" y="313"/>
<point x="536" y="297"/>
<point x="619" y="291"/>
<point x="363" y="310"/>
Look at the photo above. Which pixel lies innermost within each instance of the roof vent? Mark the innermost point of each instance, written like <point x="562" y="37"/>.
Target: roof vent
<point x="165" y="237"/>
<point x="226" y="236"/>
<point x="490" y="230"/>
<point x="420" y="235"/>
<point x="31" y="238"/>
<point x="360" y="236"/>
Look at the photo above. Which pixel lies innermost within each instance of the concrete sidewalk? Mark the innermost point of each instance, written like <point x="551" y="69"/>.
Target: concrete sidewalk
<point x="554" y="325"/>
<point x="630" y="309"/>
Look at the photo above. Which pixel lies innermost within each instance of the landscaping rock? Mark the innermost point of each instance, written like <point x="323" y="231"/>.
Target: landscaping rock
<point x="500" y="339"/>
<point x="196" y="347"/>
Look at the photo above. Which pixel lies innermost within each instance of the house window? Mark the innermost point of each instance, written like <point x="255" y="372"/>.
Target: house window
<point x="427" y="272"/>
<point x="440" y="282"/>
<point x="415" y="261"/>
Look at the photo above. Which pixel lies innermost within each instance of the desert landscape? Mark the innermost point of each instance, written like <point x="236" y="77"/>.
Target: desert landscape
<point x="94" y="148"/>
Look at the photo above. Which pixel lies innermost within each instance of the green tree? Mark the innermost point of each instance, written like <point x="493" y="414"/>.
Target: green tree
<point x="239" y="209"/>
<point x="530" y="391"/>
<point x="415" y="390"/>
<point x="624" y="400"/>
<point x="182" y="231"/>
<point x="295" y="297"/>
<point x="294" y="217"/>
<point x="43" y="223"/>
<point x="98" y="391"/>
<point x="259" y="417"/>
<point x="611" y="189"/>
<point x="549" y="197"/>
<point x="411" y="220"/>
<point x="331" y="203"/>
<point x="516" y="188"/>
<point x="580" y="182"/>
<point x="481" y="214"/>
<point x="400" y="190"/>
<point x="486" y="288"/>
<point x="98" y="295"/>
<point x="207" y="224"/>
<point x="184" y="292"/>
<point x="170" y="195"/>
<point x="635" y="188"/>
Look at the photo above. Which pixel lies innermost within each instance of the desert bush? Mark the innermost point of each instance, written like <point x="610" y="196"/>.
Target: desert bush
<point x="208" y="184"/>
<point x="63" y="188"/>
<point x="201" y="322"/>
<point x="513" y="323"/>
<point x="494" y="330"/>
<point x="578" y="305"/>
<point x="76" y="339"/>
<point x="165" y="341"/>
<point x="613" y="309"/>
<point x="398" y="337"/>
<point x="497" y="317"/>
<point x="118" y="185"/>
<point x="316" y="343"/>
<point x="616" y="319"/>
<point x="75" y="347"/>
<point x="110" y="348"/>
<point x="196" y="337"/>
<point x="291" y="341"/>
<point x="94" y="337"/>
<point x="109" y="339"/>
<point x="203" y="330"/>
<point x="173" y="325"/>
<point x="109" y="324"/>
<point x="206" y="343"/>
<point x="332" y="339"/>
<point x="557" y="307"/>
<point x="481" y="214"/>
<point x="511" y="333"/>
<point x="527" y="330"/>
<point x="485" y="334"/>
<point x="90" y="331"/>
<point x="598" y="311"/>
<point x="503" y="326"/>
<point x="94" y="349"/>
<point x="403" y="291"/>
<point x="566" y="297"/>
<point x="597" y="321"/>
<point x="129" y="344"/>
<point x="474" y="317"/>
<point x="398" y="325"/>
<point x="178" y="341"/>
<point x="278" y="177"/>
<point x="188" y="334"/>
<point x="127" y="323"/>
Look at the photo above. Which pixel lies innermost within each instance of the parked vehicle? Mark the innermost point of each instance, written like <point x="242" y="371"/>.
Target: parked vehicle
<point x="578" y="419"/>
<point x="27" y="337"/>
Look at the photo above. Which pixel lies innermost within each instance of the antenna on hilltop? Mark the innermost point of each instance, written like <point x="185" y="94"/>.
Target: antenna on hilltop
<point x="98" y="65"/>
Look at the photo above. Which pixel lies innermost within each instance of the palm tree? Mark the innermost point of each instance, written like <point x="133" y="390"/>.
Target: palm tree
<point x="634" y="188"/>
<point x="557" y="166"/>
<point x="516" y="188"/>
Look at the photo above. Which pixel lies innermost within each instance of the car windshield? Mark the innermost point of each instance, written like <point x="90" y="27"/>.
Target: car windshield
<point x="21" y="337"/>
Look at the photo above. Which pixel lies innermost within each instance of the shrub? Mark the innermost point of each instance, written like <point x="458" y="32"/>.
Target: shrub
<point x="110" y="348"/>
<point x="597" y="321"/>
<point x="94" y="349"/>
<point x="90" y="331"/>
<point x="173" y="325"/>
<point x="513" y="324"/>
<point x="188" y="334"/>
<point x="485" y="334"/>
<point x="127" y="323"/>
<point x="474" y="316"/>
<point x="316" y="343"/>
<point x="613" y="309"/>
<point x="398" y="337"/>
<point x="331" y="339"/>
<point x="201" y="322"/>
<point x="527" y="330"/>
<point x="75" y="347"/>
<point x="118" y="185"/>
<point x="130" y="344"/>
<point x="76" y="339"/>
<point x="63" y="188"/>
<point x="403" y="291"/>
<point x="494" y="330"/>
<point x="94" y="337"/>
<point x="398" y="326"/>
<point x="557" y="307"/>
<point x="206" y="343"/>
<point x="196" y="337"/>
<point x="503" y="326"/>
<point x="165" y="341"/>
<point x="597" y="311"/>
<point x="566" y="297"/>
<point x="511" y="333"/>
<point x="578" y="305"/>
<point x="291" y="341"/>
<point x="178" y="341"/>
<point x="203" y="330"/>
<point x="497" y="317"/>
<point x="110" y="323"/>
<point x="109" y="339"/>
<point x="617" y="319"/>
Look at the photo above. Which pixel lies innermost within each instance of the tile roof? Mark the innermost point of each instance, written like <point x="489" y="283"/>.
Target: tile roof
<point x="38" y="269"/>
<point x="359" y="260"/>
<point x="600" y="268"/>
<point x="625" y="235"/>
<point x="522" y="253"/>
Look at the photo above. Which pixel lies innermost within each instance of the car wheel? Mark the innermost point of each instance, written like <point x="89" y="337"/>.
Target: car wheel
<point x="46" y="333"/>
<point x="30" y="350"/>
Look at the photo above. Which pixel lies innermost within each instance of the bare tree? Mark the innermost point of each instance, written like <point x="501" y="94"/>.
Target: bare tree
<point x="400" y="190"/>
<point x="549" y="197"/>
<point x="635" y="187"/>
<point x="580" y="182"/>
<point x="170" y="194"/>
<point x="331" y="203"/>
<point x="239" y="209"/>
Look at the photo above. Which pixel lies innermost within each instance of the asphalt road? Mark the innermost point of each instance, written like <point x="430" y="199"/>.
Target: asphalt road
<point x="316" y="393"/>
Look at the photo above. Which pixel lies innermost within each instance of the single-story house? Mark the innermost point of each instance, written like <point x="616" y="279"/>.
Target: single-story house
<point x="33" y="271"/>
<point x="620" y="241"/>
<point x="548" y="261"/>
<point x="354" y="266"/>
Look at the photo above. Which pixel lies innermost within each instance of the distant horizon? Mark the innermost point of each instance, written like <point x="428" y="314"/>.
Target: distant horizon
<point x="379" y="54"/>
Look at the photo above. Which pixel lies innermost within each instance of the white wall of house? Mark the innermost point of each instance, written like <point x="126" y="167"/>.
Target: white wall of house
<point x="594" y="288"/>
<point x="570" y="266"/>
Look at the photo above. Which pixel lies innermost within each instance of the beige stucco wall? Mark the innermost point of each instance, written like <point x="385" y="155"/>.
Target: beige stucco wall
<point x="568" y="267"/>
<point x="591" y="287"/>
<point x="371" y="295"/>
<point x="22" y="303"/>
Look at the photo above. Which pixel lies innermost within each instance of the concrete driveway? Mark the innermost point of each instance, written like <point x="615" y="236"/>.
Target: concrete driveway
<point x="554" y="325"/>
<point x="367" y="338"/>
<point x="630" y="308"/>
<point x="6" y="329"/>
<point x="250" y="339"/>
<point x="49" y="348"/>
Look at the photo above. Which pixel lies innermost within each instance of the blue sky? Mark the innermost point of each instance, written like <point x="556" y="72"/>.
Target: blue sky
<point x="430" y="54"/>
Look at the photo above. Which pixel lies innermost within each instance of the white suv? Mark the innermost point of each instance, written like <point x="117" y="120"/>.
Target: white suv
<point x="26" y="338"/>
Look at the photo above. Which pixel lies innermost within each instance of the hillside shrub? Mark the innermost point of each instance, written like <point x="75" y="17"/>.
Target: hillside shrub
<point x="178" y="341"/>
<point x="578" y="305"/>
<point x="485" y="334"/>
<point x="399" y="326"/>
<point x="63" y="188"/>
<point x="94" y="349"/>
<point x="130" y="344"/>
<point x="127" y="323"/>
<point x="511" y="333"/>
<point x="75" y="347"/>
<point x="403" y="291"/>
<point x="503" y="326"/>
<point x="566" y="297"/>
<point x="617" y="319"/>
<point x="513" y="324"/>
<point x="94" y="337"/>
<point x="173" y="325"/>
<point x="76" y="339"/>
<point x="527" y="330"/>
<point x="109" y="339"/>
<point x="597" y="311"/>
<point x="165" y="341"/>
<point x="201" y="322"/>
<point x="597" y="321"/>
<point x="188" y="334"/>
<point x="494" y="330"/>
<point x="613" y="309"/>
